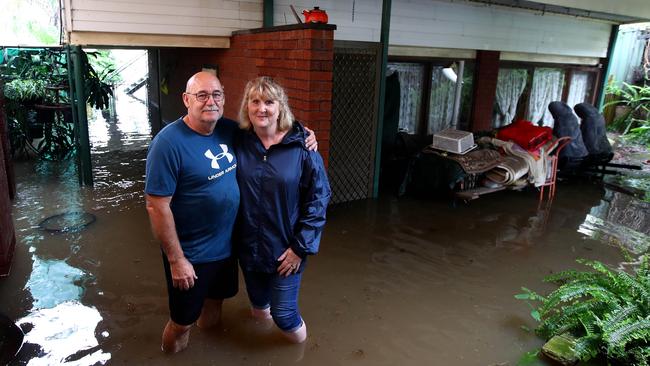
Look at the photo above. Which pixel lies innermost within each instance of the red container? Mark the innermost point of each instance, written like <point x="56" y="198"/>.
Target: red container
<point x="315" y="15"/>
<point x="525" y="134"/>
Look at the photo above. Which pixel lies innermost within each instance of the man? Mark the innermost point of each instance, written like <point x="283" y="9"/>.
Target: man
<point x="192" y="198"/>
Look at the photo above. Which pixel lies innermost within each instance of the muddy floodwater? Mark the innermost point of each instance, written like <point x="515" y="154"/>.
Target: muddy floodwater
<point x="397" y="282"/>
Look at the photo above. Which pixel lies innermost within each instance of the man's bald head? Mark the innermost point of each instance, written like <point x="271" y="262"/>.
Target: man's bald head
<point x="201" y="77"/>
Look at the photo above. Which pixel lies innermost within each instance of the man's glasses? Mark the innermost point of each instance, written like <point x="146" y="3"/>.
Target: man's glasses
<point x="203" y="97"/>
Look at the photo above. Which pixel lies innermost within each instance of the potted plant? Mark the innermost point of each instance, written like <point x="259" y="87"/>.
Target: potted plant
<point x="635" y="116"/>
<point x="37" y="93"/>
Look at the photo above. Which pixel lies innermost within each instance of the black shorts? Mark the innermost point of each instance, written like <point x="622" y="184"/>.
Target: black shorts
<point x="216" y="280"/>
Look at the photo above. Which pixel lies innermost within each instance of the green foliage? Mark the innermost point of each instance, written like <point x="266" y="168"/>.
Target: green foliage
<point x="25" y="90"/>
<point x="34" y="77"/>
<point x="607" y="311"/>
<point x="98" y="91"/>
<point x="635" y="122"/>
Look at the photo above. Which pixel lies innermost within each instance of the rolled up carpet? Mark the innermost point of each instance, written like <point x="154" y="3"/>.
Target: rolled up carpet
<point x="509" y="170"/>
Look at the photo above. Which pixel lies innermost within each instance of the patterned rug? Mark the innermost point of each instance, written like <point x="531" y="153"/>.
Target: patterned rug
<point x="477" y="161"/>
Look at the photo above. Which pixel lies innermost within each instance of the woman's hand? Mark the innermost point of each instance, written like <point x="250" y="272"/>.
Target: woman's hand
<point x="289" y="263"/>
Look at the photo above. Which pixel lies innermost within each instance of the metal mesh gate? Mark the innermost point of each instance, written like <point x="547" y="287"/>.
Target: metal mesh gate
<point x="354" y="120"/>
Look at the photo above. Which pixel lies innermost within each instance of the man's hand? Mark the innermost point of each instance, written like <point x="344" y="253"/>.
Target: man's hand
<point x="183" y="275"/>
<point x="310" y="141"/>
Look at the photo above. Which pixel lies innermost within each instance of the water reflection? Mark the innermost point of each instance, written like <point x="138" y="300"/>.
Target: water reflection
<point x="65" y="334"/>
<point x="620" y="220"/>
<point x="53" y="282"/>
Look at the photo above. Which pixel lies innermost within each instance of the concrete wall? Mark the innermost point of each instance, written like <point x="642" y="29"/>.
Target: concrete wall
<point x="299" y="57"/>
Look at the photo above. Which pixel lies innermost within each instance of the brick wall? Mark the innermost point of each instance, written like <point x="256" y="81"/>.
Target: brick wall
<point x="299" y="57"/>
<point x="485" y="75"/>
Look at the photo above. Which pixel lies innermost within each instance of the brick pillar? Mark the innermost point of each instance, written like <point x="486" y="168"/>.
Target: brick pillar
<point x="299" y="57"/>
<point x="7" y="191"/>
<point x="485" y="86"/>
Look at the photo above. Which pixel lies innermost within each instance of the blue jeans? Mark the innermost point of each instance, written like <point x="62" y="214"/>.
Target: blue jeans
<point x="278" y="292"/>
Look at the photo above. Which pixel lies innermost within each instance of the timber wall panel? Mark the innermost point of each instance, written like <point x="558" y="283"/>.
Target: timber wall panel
<point x="461" y="25"/>
<point x="194" y="17"/>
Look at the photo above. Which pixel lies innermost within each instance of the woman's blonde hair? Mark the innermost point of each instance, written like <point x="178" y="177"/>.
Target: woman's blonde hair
<point x="266" y="88"/>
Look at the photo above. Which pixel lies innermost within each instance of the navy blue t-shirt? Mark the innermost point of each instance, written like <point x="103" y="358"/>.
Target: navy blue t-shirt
<point x="198" y="172"/>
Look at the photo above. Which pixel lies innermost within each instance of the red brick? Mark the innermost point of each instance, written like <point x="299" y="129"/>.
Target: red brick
<point x="321" y="75"/>
<point x="287" y="35"/>
<point x="289" y="44"/>
<point x="301" y="75"/>
<point x="320" y="55"/>
<point x="320" y="85"/>
<point x="305" y="43"/>
<point x="318" y="34"/>
<point x="293" y="54"/>
<point x="322" y="65"/>
<point x="316" y="116"/>
<point x="325" y="106"/>
<point x="322" y="44"/>
<point x="321" y="96"/>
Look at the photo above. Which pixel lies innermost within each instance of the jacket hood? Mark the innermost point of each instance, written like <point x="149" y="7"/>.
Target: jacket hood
<point x="296" y="134"/>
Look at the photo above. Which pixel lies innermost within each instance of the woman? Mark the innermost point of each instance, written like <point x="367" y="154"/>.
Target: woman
<point x="284" y="195"/>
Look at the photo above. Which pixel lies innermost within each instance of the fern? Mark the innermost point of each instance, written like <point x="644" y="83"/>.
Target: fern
<point x="570" y="291"/>
<point x="569" y="276"/>
<point x="607" y="311"/>
<point x="640" y="356"/>
<point x="623" y="315"/>
<point x="587" y="347"/>
<point x="637" y="331"/>
<point x="567" y="319"/>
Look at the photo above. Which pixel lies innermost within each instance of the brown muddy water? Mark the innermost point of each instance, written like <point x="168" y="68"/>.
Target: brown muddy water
<point x="398" y="281"/>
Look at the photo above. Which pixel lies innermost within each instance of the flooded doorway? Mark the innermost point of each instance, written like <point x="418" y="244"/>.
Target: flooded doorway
<point x="51" y="274"/>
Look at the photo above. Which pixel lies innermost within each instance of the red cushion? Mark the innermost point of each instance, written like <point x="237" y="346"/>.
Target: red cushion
<point x="525" y="134"/>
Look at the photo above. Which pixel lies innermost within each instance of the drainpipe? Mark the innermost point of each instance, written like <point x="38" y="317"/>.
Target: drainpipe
<point x="459" y="91"/>
<point x="385" y="30"/>
<point x="84" y="167"/>
<point x="608" y="69"/>
<point x="268" y="14"/>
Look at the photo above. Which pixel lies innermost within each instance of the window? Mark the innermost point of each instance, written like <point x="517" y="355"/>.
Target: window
<point x="510" y="86"/>
<point x="582" y="88"/>
<point x="547" y="87"/>
<point x="425" y="81"/>
<point x="411" y="80"/>
<point x="526" y="91"/>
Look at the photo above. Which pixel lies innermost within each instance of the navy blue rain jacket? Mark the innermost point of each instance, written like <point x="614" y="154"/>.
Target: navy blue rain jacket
<point x="284" y="195"/>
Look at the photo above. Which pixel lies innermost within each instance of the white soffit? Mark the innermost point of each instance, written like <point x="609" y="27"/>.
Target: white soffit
<point x="551" y="59"/>
<point x="146" y="40"/>
<point x="431" y="52"/>
<point x="618" y="12"/>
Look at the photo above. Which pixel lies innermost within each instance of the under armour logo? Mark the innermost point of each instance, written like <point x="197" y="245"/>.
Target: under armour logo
<point x="224" y="148"/>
